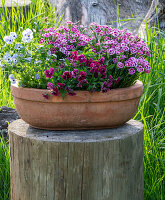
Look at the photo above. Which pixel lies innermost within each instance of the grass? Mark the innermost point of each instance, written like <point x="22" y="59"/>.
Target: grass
<point x="151" y="111"/>
<point x="4" y="170"/>
<point x="152" y="114"/>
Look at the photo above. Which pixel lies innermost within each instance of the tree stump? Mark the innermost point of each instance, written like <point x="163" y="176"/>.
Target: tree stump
<point x="76" y="165"/>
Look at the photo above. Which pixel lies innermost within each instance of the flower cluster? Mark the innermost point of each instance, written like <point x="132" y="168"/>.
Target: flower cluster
<point x="72" y="58"/>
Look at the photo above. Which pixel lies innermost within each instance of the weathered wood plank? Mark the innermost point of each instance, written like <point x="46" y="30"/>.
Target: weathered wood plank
<point x="76" y="165"/>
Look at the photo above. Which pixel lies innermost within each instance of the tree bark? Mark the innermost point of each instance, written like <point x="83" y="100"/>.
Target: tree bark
<point x="155" y="16"/>
<point x="76" y="165"/>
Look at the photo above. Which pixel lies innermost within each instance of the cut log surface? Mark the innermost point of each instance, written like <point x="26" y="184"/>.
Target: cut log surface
<point x="76" y="165"/>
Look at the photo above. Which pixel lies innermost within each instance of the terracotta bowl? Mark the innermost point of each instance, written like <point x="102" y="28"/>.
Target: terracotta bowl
<point x="85" y="110"/>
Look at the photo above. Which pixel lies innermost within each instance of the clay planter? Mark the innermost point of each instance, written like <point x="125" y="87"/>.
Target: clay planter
<point x="85" y="110"/>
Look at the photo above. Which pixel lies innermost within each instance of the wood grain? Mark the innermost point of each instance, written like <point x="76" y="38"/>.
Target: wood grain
<point x="76" y="165"/>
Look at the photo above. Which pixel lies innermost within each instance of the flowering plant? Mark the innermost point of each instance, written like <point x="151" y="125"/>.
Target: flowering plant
<point x="72" y="58"/>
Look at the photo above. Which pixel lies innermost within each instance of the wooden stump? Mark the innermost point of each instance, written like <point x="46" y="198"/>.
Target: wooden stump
<point x="76" y="165"/>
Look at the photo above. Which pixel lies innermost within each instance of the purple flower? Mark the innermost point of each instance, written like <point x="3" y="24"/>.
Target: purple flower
<point x="82" y="76"/>
<point x="140" y="68"/>
<point x="75" y="73"/>
<point x="131" y="71"/>
<point x="82" y="82"/>
<point x="81" y="58"/>
<point x="49" y="73"/>
<point x="117" y="80"/>
<point x="103" y="69"/>
<point x="46" y="96"/>
<point x="105" y="87"/>
<point x="70" y="91"/>
<point x="101" y="60"/>
<point x="50" y="86"/>
<point x="114" y="60"/>
<point x="61" y="85"/>
<point x="74" y="55"/>
<point x="103" y="75"/>
<point x="120" y="65"/>
<point x="55" y="91"/>
<point x="66" y="75"/>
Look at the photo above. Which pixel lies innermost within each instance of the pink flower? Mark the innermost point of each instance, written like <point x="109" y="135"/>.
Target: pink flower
<point x="42" y="40"/>
<point x="120" y="65"/>
<point x="49" y="73"/>
<point x="111" y="51"/>
<point x="114" y="60"/>
<point x="131" y="71"/>
<point x="140" y="68"/>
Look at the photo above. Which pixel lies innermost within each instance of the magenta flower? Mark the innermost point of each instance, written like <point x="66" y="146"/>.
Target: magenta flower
<point x="103" y="69"/>
<point x="61" y="85"/>
<point x="75" y="73"/>
<point x="101" y="60"/>
<point x="74" y="55"/>
<point x="82" y="82"/>
<point x="131" y="71"/>
<point x="55" y="91"/>
<point x="70" y="91"/>
<point x="50" y="86"/>
<point x="81" y="58"/>
<point x="46" y="96"/>
<point x="105" y="88"/>
<point x="49" y="73"/>
<point x="66" y="75"/>
<point x="82" y="76"/>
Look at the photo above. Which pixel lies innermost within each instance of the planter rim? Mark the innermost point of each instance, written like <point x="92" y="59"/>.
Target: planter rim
<point x="119" y="94"/>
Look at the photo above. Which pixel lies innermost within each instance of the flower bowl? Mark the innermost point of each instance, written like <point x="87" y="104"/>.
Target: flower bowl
<point x="85" y="110"/>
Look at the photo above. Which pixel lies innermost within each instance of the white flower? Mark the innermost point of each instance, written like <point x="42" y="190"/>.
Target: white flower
<point x="27" y="35"/>
<point x="28" y="59"/>
<point x="18" y="47"/>
<point x="1" y="66"/>
<point x="12" y="79"/>
<point x="37" y="61"/>
<point x="7" y="57"/>
<point x="8" y="39"/>
<point x="49" y="53"/>
<point x="13" y="34"/>
<point x="27" y="32"/>
<point x="14" y="58"/>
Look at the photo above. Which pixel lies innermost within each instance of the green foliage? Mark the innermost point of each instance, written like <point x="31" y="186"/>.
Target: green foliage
<point x="4" y="170"/>
<point x="152" y="114"/>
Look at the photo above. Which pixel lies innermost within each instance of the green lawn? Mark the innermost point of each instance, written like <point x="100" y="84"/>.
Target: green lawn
<point x="151" y="111"/>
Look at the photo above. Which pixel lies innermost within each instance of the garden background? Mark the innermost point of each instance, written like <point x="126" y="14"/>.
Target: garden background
<point x="151" y="111"/>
